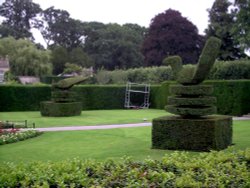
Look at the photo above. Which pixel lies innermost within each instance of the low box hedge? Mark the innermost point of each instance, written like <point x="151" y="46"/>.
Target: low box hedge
<point x="56" y="109"/>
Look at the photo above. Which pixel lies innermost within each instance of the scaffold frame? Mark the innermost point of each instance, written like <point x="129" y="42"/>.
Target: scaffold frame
<point x="131" y="88"/>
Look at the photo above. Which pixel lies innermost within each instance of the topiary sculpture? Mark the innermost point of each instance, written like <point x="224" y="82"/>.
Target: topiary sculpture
<point x="194" y="128"/>
<point x="63" y="100"/>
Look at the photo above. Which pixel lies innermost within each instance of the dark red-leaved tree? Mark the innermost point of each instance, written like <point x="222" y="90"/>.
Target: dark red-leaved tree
<point x="171" y="34"/>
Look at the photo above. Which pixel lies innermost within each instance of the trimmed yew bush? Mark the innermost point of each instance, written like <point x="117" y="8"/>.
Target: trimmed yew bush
<point x="63" y="99"/>
<point x="204" y="134"/>
<point x="193" y="128"/>
<point x="207" y="59"/>
<point x="60" y="109"/>
<point x="175" y="62"/>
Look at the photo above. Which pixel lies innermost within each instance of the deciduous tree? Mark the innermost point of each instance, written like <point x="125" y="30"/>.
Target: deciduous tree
<point x="171" y="34"/>
<point x="25" y="59"/>
<point x="61" y="30"/>
<point x="114" y="46"/>
<point x="19" y="18"/>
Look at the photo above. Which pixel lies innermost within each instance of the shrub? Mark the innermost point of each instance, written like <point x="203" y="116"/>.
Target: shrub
<point x="103" y="77"/>
<point x="138" y="75"/>
<point x="230" y="70"/>
<point x="58" y="109"/>
<point x="215" y="169"/>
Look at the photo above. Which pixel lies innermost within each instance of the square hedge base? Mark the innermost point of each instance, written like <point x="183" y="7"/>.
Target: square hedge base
<point x="176" y="133"/>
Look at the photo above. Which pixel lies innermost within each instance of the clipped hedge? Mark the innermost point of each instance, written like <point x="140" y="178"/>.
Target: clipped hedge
<point x="56" y="109"/>
<point x="214" y="169"/>
<point x="233" y="96"/>
<point x="230" y="70"/>
<point x="204" y="134"/>
<point x="23" y="97"/>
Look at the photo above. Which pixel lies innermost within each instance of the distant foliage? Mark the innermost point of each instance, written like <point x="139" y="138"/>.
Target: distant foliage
<point x="222" y="70"/>
<point x="25" y="58"/>
<point x="138" y="75"/>
<point x="19" y="17"/>
<point x="221" y="22"/>
<point x="113" y="46"/>
<point x="230" y="70"/>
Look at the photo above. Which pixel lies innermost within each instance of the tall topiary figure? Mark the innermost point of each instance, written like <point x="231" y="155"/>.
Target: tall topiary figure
<point x="63" y="99"/>
<point x="194" y="127"/>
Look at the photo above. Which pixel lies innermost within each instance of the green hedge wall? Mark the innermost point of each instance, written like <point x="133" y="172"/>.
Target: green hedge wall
<point x="23" y="98"/>
<point x="233" y="96"/>
<point x="28" y="98"/>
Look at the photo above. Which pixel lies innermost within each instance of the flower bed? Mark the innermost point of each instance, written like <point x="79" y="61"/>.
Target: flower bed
<point x="8" y="136"/>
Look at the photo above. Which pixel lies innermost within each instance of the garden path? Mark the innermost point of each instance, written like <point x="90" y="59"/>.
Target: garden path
<point x="98" y="127"/>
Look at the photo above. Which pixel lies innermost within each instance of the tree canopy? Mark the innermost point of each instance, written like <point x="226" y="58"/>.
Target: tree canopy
<point x="25" y="59"/>
<point x="19" y="18"/>
<point x="59" y="29"/>
<point x="221" y="22"/>
<point x="171" y="34"/>
<point x="241" y="28"/>
<point x="114" y="46"/>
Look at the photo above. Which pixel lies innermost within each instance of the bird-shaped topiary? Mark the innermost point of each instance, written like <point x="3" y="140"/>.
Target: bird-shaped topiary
<point x="194" y="127"/>
<point x="63" y="99"/>
<point x="190" y="98"/>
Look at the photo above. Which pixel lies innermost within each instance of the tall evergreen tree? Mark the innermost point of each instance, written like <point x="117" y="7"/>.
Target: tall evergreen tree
<point x="221" y="22"/>
<point x="241" y="28"/>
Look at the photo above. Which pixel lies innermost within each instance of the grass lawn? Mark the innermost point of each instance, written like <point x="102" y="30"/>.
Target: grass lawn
<point x="94" y="117"/>
<point x="99" y="145"/>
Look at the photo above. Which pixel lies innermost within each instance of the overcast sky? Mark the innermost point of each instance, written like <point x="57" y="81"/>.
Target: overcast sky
<point x="132" y="11"/>
<point x="129" y="11"/>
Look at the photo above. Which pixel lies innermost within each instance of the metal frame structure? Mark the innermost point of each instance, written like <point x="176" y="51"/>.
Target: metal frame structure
<point x="131" y="88"/>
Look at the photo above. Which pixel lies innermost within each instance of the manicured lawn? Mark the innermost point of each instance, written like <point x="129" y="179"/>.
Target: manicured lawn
<point x="99" y="144"/>
<point x="94" y="117"/>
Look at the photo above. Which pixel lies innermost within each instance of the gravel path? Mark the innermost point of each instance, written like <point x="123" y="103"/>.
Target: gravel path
<point x="98" y="127"/>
